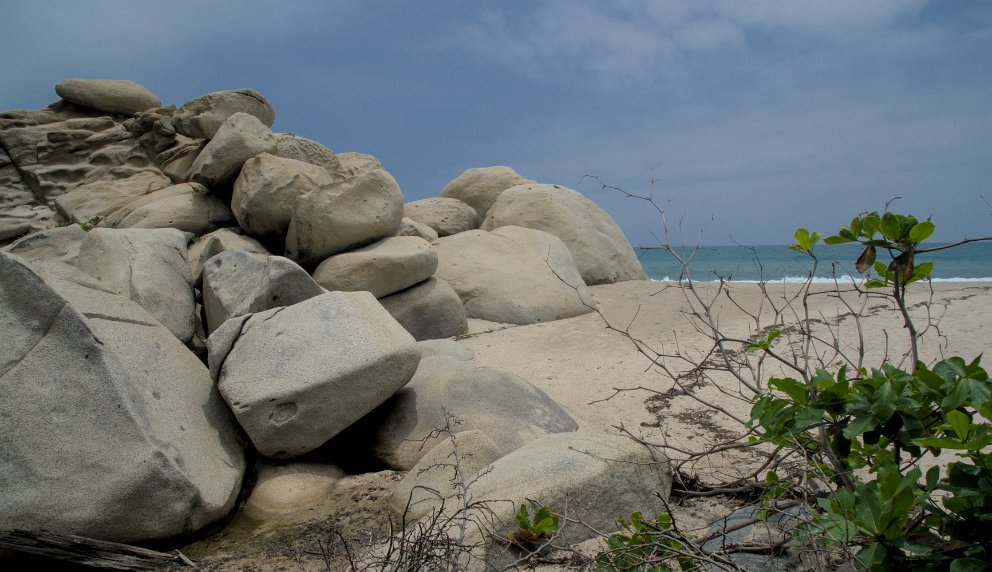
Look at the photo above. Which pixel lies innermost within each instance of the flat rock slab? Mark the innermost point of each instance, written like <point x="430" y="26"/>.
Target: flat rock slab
<point x="297" y="376"/>
<point x="118" y="96"/>
<point x="382" y="268"/>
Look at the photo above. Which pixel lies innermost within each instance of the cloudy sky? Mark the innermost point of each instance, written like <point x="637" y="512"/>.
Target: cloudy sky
<point x="750" y="117"/>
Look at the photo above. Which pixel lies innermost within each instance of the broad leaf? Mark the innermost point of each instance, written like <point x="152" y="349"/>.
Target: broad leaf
<point x="921" y="231"/>
<point x="866" y="259"/>
<point x="960" y="423"/>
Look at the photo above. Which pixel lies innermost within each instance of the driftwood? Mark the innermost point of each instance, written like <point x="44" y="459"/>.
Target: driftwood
<point x="88" y="551"/>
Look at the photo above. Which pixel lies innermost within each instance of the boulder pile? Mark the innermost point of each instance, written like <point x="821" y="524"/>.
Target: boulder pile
<point x="184" y="289"/>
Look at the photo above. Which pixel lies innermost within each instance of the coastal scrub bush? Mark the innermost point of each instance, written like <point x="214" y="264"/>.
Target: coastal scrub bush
<point x="870" y="429"/>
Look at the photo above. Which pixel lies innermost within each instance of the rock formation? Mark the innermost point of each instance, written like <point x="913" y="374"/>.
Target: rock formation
<point x="143" y="243"/>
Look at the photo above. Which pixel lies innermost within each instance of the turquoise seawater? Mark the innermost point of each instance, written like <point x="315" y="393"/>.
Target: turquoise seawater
<point x="965" y="263"/>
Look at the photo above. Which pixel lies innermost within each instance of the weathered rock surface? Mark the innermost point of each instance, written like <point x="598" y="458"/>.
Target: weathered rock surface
<point x="236" y="283"/>
<point x="267" y="189"/>
<point x="297" y="376"/>
<point x="354" y="164"/>
<point x="202" y="117"/>
<point x="344" y="215"/>
<point x="592" y="476"/>
<point x="60" y="244"/>
<point x="445" y="215"/>
<point x="287" y="489"/>
<point x="148" y="266"/>
<point x="434" y="477"/>
<point x="449" y="348"/>
<point x="600" y="249"/>
<point x="509" y="410"/>
<point x="410" y="227"/>
<point x="480" y="187"/>
<point x="188" y="207"/>
<point x="428" y="310"/>
<point x="289" y="146"/>
<point x="382" y="268"/>
<point x="118" y="96"/>
<point x="238" y="139"/>
<point x="134" y="445"/>
<point x="512" y="275"/>
<point x="90" y="202"/>
<point x="212" y="244"/>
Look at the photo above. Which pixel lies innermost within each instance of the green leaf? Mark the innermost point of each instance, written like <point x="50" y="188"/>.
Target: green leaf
<point x="805" y="240"/>
<point x="871" y="558"/>
<point x="968" y="565"/>
<point x="837" y="240"/>
<point x="960" y="423"/>
<point x="940" y="443"/>
<point x="809" y="417"/>
<point x="890" y="226"/>
<point x="860" y="426"/>
<point x="933" y="477"/>
<point x="791" y="387"/>
<point x="523" y="517"/>
<point x="921" y="231"/>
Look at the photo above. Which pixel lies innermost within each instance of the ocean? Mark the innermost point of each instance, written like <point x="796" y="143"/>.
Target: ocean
<point x="966" y="263"/>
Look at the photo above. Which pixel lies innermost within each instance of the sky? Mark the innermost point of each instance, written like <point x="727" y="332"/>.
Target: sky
<point x="743" y="119"/>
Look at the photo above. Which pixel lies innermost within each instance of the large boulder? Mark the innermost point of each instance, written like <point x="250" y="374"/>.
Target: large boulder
<point x="344" y="215"/>
<point x="299" y="375"/>
<point x="238" y="139"/>
<point x="188" y="207"/>
<point x="267" y="189"/>
<point x="445" y="215"/>
<point x="236" y="283"/>
<point x="117" y="96"/>
<point x="429" y="310"/>
<point x="149" y="266"/>
<point x="200" y="118"/>
<point x="382" y="268"/>
<point x="512" y="275"/>
<point x="220" y="240"/>
<point x="111" y="428"/>
<point x="508" y="409"/>
<point x="481" y="186"/>
<point x="589" y="477"/>
<point x="599" y="248"/>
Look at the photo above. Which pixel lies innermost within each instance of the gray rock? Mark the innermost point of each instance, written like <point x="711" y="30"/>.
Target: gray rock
<point x="591" y="477"/>
<point x="148" y="266"/>
<point x="344" y="215"/>
<point x="445" y="215"/>
<point x="118" y="96"/>
<point x="480" y="187"/>
<point x="90" y="202"/>
<point x="267" y="189"/>
<point x="238" y="139"/>
<point x="600" y="249"/>
<point x="133" y="446"/>
<point x="382" y="268"/>
<point x="354" y="164"/>
<point x="188" y="207"/>
<point x="299" y="375"/>
<point x="410" y="227"/>
<point x="236" y="283"/>
<point x="435" y="477"/>
<point x="212" y="244"/>
<point x="200" y="118"/>
<point x="60" y="244"/>
<point x="290" y="488"/>
<point x="429" y="310"/>
<point x="508" y="409"/>
<point x="512" y="275"/>
<point x="289" y="146"/>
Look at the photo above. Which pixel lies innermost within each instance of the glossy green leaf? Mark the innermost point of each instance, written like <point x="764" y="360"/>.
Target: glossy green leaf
<point x="791" y="387"/>
<point x="960" y="423"/>
<point x="836" y="239"/>
<point x="921" y="231"/>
